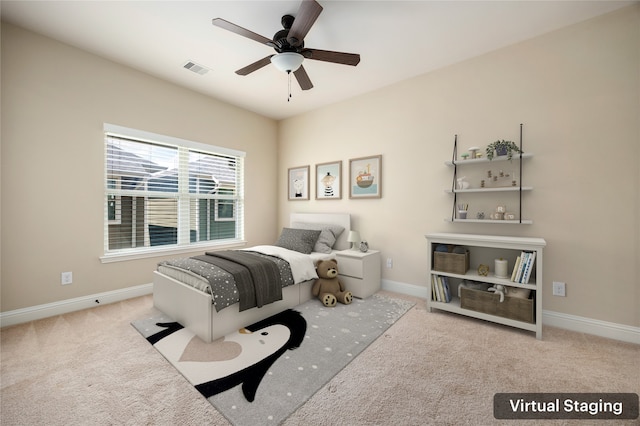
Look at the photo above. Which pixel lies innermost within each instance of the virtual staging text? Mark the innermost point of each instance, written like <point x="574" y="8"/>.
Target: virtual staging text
<point x="565" y="406"/>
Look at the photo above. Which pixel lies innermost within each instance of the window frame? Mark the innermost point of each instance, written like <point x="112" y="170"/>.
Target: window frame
<point x="183" y="246"/>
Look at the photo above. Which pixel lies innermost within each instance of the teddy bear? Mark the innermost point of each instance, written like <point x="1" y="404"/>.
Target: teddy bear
<point x="328" y="287"/>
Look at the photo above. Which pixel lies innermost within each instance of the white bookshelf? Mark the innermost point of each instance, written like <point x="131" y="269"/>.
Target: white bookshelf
<point x="483" y="248"/>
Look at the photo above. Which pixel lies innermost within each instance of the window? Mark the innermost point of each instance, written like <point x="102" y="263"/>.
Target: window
<point x="163" y="193"/>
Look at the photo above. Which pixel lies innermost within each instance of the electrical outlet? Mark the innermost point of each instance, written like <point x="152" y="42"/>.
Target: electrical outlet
<point x="559" y="289"/>
<point x="66" y="278"/>
<point x="389" y="262"/>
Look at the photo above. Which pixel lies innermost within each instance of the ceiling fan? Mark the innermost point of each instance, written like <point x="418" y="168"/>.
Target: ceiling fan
<point x="289" y="45"/>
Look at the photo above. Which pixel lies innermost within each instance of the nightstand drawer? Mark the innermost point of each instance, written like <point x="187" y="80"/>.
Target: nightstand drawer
<point x="357" y="287"/>
<point x="351" y="266"/>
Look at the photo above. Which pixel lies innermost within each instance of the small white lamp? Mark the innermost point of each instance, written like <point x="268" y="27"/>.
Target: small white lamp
<point x="354" y="239"/>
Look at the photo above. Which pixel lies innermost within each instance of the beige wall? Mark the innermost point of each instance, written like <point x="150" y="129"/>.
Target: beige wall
<point x="55" y="99"/>
<point x="576" y="90"/>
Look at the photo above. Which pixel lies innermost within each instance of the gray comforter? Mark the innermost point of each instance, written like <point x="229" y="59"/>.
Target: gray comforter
<point x="257" y="279"/>
<point x="223" y="286"/>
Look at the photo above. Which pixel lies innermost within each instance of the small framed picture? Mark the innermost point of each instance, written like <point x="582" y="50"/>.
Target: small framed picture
<point x="329" y="181"/>
<point x="365" y="177"/>
<point x="299" y="183"/>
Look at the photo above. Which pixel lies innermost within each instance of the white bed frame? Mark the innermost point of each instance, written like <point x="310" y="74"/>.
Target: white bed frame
<point x="195" y="311"/>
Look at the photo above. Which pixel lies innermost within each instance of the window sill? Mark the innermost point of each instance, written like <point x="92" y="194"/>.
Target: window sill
<point x="136" y="254"/>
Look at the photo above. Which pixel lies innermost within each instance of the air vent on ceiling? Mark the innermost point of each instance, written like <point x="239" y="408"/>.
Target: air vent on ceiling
<point x="198" y="69"/>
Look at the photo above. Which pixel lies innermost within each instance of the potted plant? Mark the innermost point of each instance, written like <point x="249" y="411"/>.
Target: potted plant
<point x="502" y="148"/>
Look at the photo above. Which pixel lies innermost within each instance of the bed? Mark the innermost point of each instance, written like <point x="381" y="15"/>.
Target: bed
<point x="196" y="310"/>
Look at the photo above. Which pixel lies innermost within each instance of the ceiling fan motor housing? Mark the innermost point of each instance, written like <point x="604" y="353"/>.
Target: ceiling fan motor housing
<point x="280" y="38"/>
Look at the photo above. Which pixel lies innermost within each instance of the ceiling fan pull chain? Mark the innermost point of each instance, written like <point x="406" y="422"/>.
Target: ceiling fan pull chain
<point x="289" y="76"/>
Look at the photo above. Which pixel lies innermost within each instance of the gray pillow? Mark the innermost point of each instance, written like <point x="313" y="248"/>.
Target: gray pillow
<point x="329" y="234"/>
<point x="302" y="240"/>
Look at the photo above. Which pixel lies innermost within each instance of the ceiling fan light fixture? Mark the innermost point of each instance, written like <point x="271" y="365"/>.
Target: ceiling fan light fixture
<point x="287" y="61"/>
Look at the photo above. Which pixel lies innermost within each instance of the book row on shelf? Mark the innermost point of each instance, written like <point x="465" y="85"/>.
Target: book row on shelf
<point x="523" y="267"/>
<point x="440" y="289"/>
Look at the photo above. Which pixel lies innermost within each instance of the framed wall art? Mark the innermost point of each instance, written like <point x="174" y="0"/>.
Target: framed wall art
<point x="329" y="181"/>
<point x="365" y="177"/>
<point x="298" y="183"/>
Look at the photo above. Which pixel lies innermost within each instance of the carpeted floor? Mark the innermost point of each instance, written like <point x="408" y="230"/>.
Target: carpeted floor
<point x="92" y="367"/>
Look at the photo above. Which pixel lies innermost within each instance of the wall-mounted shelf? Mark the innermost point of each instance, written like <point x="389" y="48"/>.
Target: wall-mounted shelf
<point x="525" y="155"/>
<point x="510" y="176"/>
<point x="499" y="222"/>
<point x="499" y="189"/>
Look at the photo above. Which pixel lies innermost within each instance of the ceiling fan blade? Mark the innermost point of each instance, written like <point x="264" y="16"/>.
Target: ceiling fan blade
<point x="303" y="79"/>
<point x="331" y="56"/>
<point x="254" y="66"/>
<point x="219" y="22"/>
<point x="307" y="15"/>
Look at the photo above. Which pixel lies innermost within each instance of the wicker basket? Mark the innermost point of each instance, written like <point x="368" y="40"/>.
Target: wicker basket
<point x="451" y="262"/>
<point x="489" y="303"/>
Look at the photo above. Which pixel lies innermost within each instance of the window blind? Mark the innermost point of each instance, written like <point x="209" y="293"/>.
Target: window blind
<point x="164" y="192"/>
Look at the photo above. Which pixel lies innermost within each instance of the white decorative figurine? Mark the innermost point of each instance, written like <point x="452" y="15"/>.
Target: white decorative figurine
<point x="462" y="183"/>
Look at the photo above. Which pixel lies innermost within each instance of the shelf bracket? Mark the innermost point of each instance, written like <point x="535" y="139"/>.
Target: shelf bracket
<point x="455" y="177"/>
<point x="521" y="152"/>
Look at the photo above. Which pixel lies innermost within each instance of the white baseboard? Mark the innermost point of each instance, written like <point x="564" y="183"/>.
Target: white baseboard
<point x="403" y="288"/>
<point x="33" y="313"/>
<point x="625" y="333"/>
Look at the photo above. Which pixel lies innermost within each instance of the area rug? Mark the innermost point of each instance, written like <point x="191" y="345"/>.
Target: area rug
<point x="281" y="368"/>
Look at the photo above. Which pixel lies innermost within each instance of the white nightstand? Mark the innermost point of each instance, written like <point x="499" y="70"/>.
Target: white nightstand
<point x="359" y="272"/>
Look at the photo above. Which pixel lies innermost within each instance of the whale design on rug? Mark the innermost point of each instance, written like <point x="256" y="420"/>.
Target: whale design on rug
<point x="242" y="357"/>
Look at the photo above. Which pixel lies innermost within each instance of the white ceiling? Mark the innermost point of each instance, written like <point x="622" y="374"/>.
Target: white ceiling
<point x="396" y="40"/>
